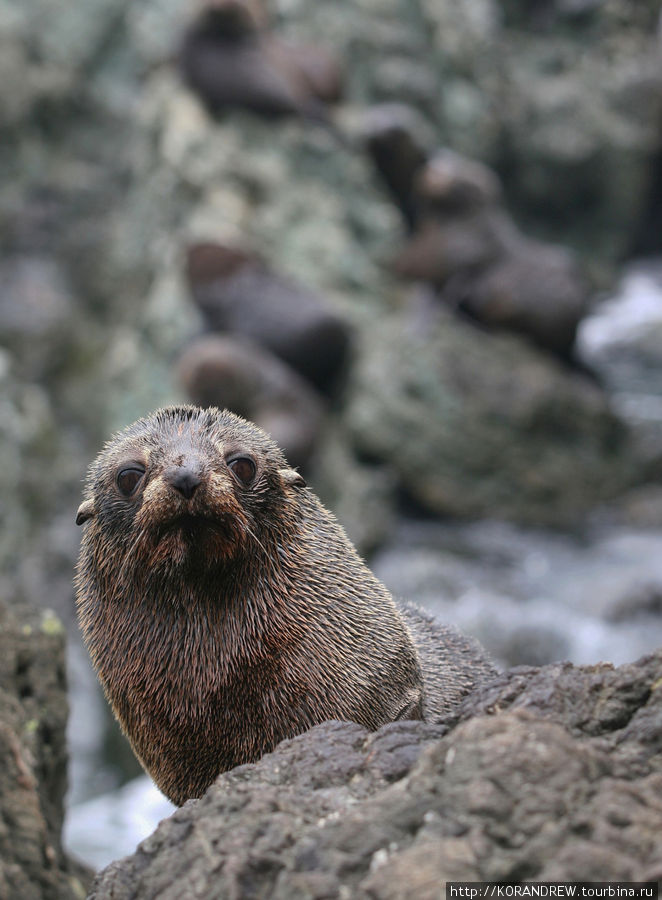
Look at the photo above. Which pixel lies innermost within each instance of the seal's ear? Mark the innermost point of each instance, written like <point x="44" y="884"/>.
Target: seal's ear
<point x="291" y="478"/>
<point x="85" y="511"/>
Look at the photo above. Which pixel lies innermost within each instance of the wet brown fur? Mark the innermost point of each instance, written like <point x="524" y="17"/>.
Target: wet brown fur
<point x="223" y="623"/>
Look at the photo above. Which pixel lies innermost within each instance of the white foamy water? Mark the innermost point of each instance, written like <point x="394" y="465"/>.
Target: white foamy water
<point x="622" y="341"/>
<point x="112" y="825"/>
<point x="531" y="596"/>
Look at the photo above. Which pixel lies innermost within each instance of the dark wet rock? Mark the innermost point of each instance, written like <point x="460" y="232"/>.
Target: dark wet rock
<point x="470" y="249"/>
<point x="33" y="759"/>
<point x="530" y="645"/>
<point x="643" y="600"/>
<point x="641" y="507"/>
<point x="481" y="425"/>
<point x="622" y="707"/>
<point x="543" y="14"/>
<point x="549" y="773"/>
<point x="236" y="374"/>
<point x="360" y="495"/>
<point x="238" y="293"/>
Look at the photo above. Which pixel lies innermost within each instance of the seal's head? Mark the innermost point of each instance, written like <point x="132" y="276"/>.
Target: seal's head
<point x="185" y="489"/>
<point x="231" y="19"/>
<point x="450" y="183"/>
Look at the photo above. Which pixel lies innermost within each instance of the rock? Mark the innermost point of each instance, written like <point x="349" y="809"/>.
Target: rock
<point x="28" y="439"/>
<point x="239" y="293"/>
<point x="361" y="496"/>
<point x="544" y="774"/>
<point x="577" y="136"/>
<point x="643" y="600"/>
<point x="47" y="54"/>
<point x="619" y="706"/>
<point x="33" y="759"/>
<point x="542" y="14"/>
<point x="236" y="374"/>
<point x="480" y="425"/>
<point x="641" y="507"/>
<point x="36" y="313"/>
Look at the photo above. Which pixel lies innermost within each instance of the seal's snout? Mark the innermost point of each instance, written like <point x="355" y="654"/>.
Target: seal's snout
<point x="183" y="479"/>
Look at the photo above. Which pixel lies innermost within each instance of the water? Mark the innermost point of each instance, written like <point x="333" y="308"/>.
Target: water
<point x="530" y="596"/>
<point x="622" y="341"/>
<point x="533" y="597"/>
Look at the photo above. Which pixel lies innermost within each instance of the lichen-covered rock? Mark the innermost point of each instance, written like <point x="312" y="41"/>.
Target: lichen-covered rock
<point x="314" y="210"/>
<point x="27" y="441"/>
<point x="478" y="424"/>
<point x="45" y="49"/>
<point x="544" y="774"/>
<point x="33" y="759"/>
<point x="559" y="105"/>
<point x="566" y="106"/>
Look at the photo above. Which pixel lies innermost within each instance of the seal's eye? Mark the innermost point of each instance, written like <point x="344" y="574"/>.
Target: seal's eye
<point x="243" y="468"/>
<point x="128" y="480"/>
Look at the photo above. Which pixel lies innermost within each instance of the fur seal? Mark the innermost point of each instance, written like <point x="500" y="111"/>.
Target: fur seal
<point x="469" y="248"/>
<point x="225" y="609"/>
<point x="239" y="292"/>
<point x="229" y="58"/>
<point x="232" y="372"/>
<point x="392" y="137"/>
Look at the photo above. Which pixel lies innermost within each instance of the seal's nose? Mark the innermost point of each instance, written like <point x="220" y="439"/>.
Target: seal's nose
<point x="182" y="479"/>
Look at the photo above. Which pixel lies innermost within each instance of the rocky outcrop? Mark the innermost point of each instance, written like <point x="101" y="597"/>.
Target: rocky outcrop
<point x="33" y="759"/>
<point x="27" y="440"/>
<point x="563" y="104"/>
<point x="562" y="98"/>
<point x="99" y="247"/>
<point x="111" y="167"/>
<point x="475" y="423"/>
<point x="544" y="774"/>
